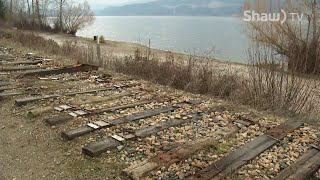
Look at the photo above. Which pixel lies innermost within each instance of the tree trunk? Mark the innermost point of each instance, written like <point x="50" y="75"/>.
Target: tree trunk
<point x="60" y="15"/>
<point x="29" y="11"/>
<point x="38" y="13"/>
<point x="32" y="5"/>
<point x="11" y="7"/>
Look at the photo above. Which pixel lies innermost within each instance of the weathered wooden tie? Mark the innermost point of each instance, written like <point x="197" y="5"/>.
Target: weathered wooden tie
<point x="304" y="168"/>
<point x="96" y="148"/>
<point x="228" y="164"/>
<point x="104" y="99"/>
<point x="24" y="101"/>
<point x="4" y="83"/>
<point x="7" y="58"/>
<point x="109" y="143"/>
<point x="177" y="154"/>
<point x="69" y="69"/>
<point x="71" y="134"/>
<point x="8" y="94"/>
<point x="7" y="88"/>
<point x="22" y="63"/>
<point x="19" y="68"/>
<point x="64" y="118"/>
<point x="39" y="111"/>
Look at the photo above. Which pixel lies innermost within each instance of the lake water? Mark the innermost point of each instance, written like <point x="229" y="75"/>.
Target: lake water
<point x="180" y="34"/>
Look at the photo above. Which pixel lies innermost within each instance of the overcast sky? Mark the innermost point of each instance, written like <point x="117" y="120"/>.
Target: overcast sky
<point x="104" y="3"/>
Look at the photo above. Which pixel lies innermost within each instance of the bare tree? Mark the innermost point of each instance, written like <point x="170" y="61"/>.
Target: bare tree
<point x="77" y="16"/>
<point x="70" y="16"/>
<point x="297" y="42"/>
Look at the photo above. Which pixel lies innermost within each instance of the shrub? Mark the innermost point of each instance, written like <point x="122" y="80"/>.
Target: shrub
<point x="102" y="40"/>
<point x="190" y="74"/>
<point x="270" y="85"/>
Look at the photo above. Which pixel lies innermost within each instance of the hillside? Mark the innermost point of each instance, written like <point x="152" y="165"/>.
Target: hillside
<point x="176" y="8"/>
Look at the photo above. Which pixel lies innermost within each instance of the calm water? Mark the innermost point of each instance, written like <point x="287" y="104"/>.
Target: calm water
<point x="180" y="34"/>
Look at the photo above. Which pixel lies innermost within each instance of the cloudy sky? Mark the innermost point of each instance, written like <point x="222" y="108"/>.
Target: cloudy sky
<point x="104" y="3"/>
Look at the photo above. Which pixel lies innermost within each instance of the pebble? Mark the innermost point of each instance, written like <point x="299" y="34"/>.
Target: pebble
<point x="120" y="147"/>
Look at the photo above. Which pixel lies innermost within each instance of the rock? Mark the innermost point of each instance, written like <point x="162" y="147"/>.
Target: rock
<point x="277" y="167"/>
<point x="250" y="166"/>
<point x="244" y="135"/>
<point x="181" y="175"/>
<point x="223" y="124"/>
<point x="168" y="147"/>
<point x="120" y="147"/>
<point x="197" y="164"/>
<point x="253" y="173"/>
<point x="177" y="116"/>
<point x="283" y="165"/>
<point x="218" y="118"/>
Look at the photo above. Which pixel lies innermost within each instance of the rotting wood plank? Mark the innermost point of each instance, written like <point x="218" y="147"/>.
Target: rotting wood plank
<point x="164" y="125"/>
<point x="246" y="158"/>
<point x="226" y="165"/>
<point x="71" y="134"/>
<point x="22" y="63"/>
<point x="109" y="143"/>
<point x="88" y="91"/>
<point x="96" y="148"/>
<point x="24" y="101"/>
<point x="19" y="68"/>
<point x="177" y="154"/>
<point x="39" y="111"/>
<point x="64" y="118"/>
<point x="305" y="164"/>
<point x="4" y="83"/>
<point x="68" y="69"/>
<point x="7" y="88"/>
<point x="7" y="94"/>
<point x="308" y="169"/>
<point x="104" y="99"/>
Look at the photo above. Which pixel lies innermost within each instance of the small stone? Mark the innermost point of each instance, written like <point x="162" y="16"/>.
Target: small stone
<point x="218" y="118"/>
<point x="177" y="116"/>
<point x="167" y="147"/>
<point x="215" y="156"/>
<point x="245" y="135"/>
<point x="283" y="165"/>
<point x="120" y="147"/>
<point x="277" y="167"/>
<point x="181" y="175"/>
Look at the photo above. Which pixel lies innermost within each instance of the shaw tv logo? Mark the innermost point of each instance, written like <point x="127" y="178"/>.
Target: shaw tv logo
<point x="271" y="11"/>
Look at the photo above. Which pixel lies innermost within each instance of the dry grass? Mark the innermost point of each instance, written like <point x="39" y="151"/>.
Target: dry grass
<point x="269" y="85"/>
<point x="263" y="85"/>
<point x="192" y="74"/>
<point x="69" y="49"/>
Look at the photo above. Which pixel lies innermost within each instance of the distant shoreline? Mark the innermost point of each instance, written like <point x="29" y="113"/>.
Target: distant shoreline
<point x="122" y="48"/>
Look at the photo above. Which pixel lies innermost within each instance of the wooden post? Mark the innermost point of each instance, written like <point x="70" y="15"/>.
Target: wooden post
<point x="99" y="51"/>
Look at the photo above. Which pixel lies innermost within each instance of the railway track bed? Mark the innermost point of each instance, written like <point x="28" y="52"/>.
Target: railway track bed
<point x="154" y="132"/>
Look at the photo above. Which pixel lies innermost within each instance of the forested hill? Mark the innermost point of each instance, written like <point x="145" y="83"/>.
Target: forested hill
<point x="177" y="8"/>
